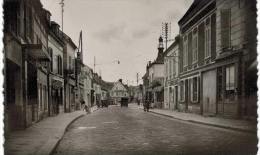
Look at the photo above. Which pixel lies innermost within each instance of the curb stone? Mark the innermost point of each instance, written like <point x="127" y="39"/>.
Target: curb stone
<point x="209" y="124"/>
<point x="66" y="129"/>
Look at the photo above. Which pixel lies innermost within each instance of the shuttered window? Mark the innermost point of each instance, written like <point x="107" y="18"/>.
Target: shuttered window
<point x="185" y="52"/>
<point x="225" y="28"/>
<point x="195" y="46"/>
<point x="182" y="91"/>
<point x="207" y="39"/>
<point x="59" y="65"/>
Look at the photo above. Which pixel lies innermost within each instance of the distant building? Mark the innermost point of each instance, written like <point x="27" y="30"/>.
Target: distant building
<point x="118" y="91"/>
<point x="135" y="93"/>
<point x="155" y="76"/>
<point x="86" y="76"/>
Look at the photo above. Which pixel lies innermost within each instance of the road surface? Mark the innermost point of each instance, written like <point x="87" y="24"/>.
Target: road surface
<point x="131" y="131"/>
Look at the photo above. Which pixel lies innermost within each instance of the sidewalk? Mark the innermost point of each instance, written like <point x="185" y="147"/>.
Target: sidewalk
<point x="240" y="125"/>
<point x="41" y="138"/>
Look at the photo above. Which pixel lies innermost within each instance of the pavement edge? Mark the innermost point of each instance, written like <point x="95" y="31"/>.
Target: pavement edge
<point x="209" y="124"/>
<point x="65" y="130"/>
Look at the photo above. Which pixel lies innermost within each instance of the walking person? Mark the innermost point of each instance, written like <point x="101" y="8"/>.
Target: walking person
<point x="144" y="104"/>
<point x="82" y="104"/>
<point x="147" y="106"/>
<point x="87" y="109"/>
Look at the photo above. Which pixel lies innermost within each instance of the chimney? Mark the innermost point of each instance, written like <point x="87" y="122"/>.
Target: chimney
<point x="120" y="80"/>
<point x="55" y="27"/>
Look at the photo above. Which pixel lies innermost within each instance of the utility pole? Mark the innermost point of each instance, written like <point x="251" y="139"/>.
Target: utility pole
<point x="166" y="32"/>
<point x="62" y="11"/>
<point x="80" y="47"/>
<point x="94" y="63"/>
<point x="137" y="78"/>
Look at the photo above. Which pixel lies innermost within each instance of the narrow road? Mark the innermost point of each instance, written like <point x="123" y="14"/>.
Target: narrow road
<point x="131" y="131"/>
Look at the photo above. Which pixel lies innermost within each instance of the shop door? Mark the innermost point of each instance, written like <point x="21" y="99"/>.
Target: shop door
<point x="209" y="92"/>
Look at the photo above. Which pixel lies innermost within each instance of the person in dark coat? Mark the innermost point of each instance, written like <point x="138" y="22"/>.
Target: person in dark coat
<point x="147" y="106"/>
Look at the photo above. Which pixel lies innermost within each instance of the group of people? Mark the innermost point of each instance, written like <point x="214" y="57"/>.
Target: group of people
<point x="85" y="107"/>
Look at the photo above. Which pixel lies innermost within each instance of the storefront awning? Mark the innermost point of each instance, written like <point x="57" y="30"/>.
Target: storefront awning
<point x="158" y="89"/>
<point x="56" y="84"/>
<point x="37" y="51"/>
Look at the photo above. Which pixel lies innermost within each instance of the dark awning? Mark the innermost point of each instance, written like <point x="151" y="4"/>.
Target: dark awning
<point x="37" y="51"/>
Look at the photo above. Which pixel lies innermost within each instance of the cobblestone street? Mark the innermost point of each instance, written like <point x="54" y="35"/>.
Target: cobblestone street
<point x="117" y="130"/>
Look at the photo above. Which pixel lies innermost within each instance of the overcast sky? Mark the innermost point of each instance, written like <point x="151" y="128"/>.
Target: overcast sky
<point x="124" y="30"/>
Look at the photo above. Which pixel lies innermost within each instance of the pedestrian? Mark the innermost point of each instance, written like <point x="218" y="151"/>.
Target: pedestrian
<point x="82" y="104"/>
<point x="86" y="108"/>
<point x="147" y="106"/>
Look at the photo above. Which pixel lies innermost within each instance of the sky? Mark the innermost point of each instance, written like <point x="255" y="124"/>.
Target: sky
<point x="124" y="30"/>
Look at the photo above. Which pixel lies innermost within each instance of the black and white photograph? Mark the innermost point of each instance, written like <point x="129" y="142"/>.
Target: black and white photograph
<point x="130" y="77"/>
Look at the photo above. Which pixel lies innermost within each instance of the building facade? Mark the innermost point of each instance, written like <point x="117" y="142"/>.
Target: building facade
<point x="236" y="55"/>
<point x="26" y="62"/>
<point x="171" y="79"/>
<point x="118" y="91"/>
<point x="218" y="51"/>
<point x="69" y="73"/>
<point x="56" y="77"/>
<point x="86" y="76"/>
<point x="155" y="76"/>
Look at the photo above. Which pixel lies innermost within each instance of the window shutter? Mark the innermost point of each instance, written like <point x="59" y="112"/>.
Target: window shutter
<point x="51" y="54"/>
<point x="201" y="43"/>
<point x="213" y="36"/>
<point x="190" y="50"/>
<point x="225" y="28"/>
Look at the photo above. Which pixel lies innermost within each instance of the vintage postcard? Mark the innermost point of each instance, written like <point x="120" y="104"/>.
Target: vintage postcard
<point x="130" y="77"/>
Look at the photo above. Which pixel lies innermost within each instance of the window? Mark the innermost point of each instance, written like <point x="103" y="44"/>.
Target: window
<point x="40" y="95"/>
<point x="195" y="46"/>
<point x="185" y="52"/>
<point x="225" y="28"/>
<point x="167" y="73"/>
<point x="59" y="64"/>
<point x="230" y="78"/>
<point x="230" y="82"/>
<point x="45" y="97"/>
<point x="194" y="89"/>
<point x="18" y="21"/>
<point x="174" y="67"/>
<point x="51" y="55"/>
<point x="207" y="39"/>
<point x="170" y="68"/>
<point x="70" y="63"/>
<point x="182" y="91"/>
<point x="29" y="22"/>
